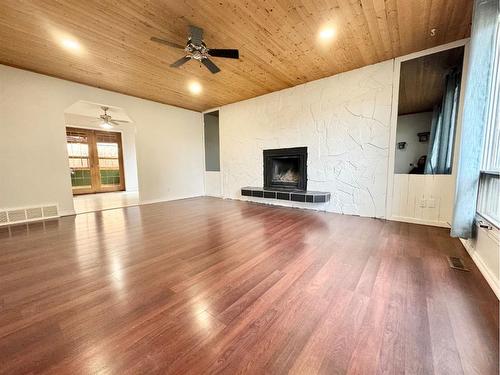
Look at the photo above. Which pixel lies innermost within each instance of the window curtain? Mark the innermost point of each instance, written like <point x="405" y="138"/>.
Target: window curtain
<point x="484" y="24"/>
<point x="439" y="155"/>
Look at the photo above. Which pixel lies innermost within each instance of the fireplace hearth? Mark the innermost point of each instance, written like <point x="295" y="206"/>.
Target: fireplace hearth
<point x="286" y="169"/>
<point x="285" y="178"/>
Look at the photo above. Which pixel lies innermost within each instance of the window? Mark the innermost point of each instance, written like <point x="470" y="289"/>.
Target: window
<point x="79" y="163"/>
<point x="108" y="153"/>
<point x="489" y="183"/>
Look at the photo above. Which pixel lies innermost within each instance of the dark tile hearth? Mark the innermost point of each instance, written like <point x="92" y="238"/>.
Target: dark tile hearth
<point x="295" y="196"/>
<point x="270" y="194"/>
<point x="285" y="177"/>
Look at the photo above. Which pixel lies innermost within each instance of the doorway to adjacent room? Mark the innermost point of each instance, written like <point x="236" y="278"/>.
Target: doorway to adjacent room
<point x="101" y="157"/>
<point x="95" y="160"/>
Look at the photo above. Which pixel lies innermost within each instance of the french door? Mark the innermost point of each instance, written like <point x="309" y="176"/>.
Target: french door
<point x="95" y="161"/>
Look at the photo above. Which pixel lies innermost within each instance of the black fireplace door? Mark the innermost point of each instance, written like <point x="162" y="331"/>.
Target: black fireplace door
<point x="285" y="168"/>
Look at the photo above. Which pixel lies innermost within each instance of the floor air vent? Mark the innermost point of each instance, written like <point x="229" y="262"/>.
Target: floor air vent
<point x="457" y="263"/>
<point x="21" y="215"/>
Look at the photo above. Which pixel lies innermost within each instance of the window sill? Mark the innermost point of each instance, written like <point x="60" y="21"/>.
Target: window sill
<point x="493" y="230"/>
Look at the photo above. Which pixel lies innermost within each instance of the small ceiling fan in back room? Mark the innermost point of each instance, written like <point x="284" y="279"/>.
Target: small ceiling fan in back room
<point x="196" y="49"/>
<point x="106" y="121"/>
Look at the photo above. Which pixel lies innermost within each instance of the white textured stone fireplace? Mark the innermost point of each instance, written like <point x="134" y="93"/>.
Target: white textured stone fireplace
<point x="344" y="121"/>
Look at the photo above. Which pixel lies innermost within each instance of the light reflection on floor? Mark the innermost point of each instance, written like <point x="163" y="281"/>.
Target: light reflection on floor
<point x="104" y="201"/>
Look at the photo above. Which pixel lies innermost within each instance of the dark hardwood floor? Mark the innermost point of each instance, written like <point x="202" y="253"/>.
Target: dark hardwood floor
<point x="210" y="286"/>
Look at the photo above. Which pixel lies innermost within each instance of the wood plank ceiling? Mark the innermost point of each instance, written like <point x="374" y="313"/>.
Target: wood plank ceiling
<point x="277" y="40"/>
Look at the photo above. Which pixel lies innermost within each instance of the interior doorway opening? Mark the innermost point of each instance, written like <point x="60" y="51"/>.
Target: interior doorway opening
<point x="100" y="141"/>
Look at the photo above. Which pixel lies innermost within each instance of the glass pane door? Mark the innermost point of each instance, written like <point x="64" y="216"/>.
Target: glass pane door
<point x="110" y="161"/>
<point x="95" y="161"/>
<point x="79" y="161"/>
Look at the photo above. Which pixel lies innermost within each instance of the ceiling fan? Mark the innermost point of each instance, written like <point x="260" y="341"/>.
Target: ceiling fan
<point x="107" y="121"/>
<point x="196" y="49"/>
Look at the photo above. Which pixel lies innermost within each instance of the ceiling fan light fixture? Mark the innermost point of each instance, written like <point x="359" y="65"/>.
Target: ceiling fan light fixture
<point x="106" y="125"/>
<point x="197" y="50"/>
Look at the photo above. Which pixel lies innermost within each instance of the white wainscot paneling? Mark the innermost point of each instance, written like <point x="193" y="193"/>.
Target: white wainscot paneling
<point x="423" y="199"/>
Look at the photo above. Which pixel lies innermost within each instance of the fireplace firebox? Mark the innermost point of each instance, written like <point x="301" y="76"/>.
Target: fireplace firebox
<point x="285" y="169"/>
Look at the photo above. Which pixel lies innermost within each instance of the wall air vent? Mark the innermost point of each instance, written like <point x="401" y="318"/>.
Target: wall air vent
<point x="16" y="215"/>
<point x="27" y="214"/>
<point x="3" y="217"/>
<point x="34" y="213"/>
<point x="50" y="211"/>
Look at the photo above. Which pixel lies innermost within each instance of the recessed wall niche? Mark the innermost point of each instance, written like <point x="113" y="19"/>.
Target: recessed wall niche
<point x="429" y="92"/>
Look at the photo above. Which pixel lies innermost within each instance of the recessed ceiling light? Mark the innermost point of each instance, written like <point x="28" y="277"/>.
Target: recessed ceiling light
<point x="195" y="87"/>
<point x="326" y="33"/>
<point x="71" y="44"/>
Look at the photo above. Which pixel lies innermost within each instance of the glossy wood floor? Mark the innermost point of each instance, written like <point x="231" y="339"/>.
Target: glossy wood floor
<point x="210" y="286"/>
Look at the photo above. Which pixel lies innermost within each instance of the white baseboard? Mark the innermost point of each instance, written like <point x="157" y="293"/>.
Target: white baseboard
<point x="159" y="200"/>
<point x="412" y="220"/>
<point x="284" y="203"/>
<point x="67" y="213"/>
<point x="320" y="207"/>
<point x="493" y="282"/>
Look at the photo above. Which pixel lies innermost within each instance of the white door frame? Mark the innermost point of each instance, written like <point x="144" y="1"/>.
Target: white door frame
<point x="394" y="112"/>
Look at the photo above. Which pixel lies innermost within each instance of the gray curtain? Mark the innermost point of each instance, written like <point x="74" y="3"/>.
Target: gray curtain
<point x="444" y="118"/>
<point x="484" y="23"/>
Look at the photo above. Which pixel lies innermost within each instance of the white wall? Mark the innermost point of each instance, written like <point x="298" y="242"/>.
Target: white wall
<point x="485" y="251"/>
<point x="33" y="157"/>
<point x="213" y="186"/>
<point x="344" y="122"/>
<point x="130" y="158"/>
<point x="407" y="129"/>
<point x="127" y="131"/>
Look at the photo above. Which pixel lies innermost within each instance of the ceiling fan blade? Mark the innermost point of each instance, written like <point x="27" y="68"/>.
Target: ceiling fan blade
<point x="227" y="53"/>
<point x="116" y="122"/>
<point x="180" y="62"/>
<point x="196" y="34"/>
<point x="210" y="65"/>
<point x="166" y="42"/>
